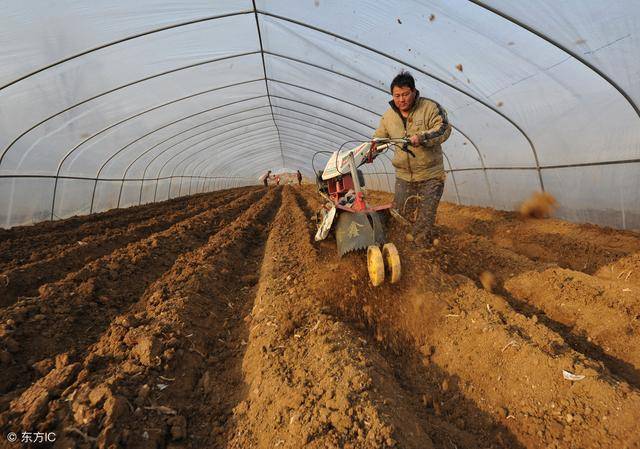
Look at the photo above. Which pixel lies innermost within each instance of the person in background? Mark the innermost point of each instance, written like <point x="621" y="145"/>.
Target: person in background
<point x="419" y="179"/>
<point x="266" y="178"/>
<point x="299" y="176"/>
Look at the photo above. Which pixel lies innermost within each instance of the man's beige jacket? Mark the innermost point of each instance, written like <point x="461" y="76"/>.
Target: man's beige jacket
<point x="428" y="120"/>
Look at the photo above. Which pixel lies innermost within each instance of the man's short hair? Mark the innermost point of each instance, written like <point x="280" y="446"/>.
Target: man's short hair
<point x="403" y="79"/>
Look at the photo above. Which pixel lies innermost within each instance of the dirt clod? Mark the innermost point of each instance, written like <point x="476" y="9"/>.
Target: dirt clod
<point x="540" y="205"/>
<point x="99" y="394"/>
<point x="147" y="350"/>
<point x="115" y="407"/>
<point x="488" y="280"/>
<point x="178" y="426"/>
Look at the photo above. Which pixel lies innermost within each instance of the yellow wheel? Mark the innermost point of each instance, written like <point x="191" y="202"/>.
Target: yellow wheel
<point x="375" y="265"/>
<point x="392" y="262"/>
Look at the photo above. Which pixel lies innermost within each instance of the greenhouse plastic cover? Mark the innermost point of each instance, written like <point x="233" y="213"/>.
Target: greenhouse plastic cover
<point x="109" y="104"/>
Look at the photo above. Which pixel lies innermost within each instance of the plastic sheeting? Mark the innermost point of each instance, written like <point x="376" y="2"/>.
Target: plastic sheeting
<point x="109" y="104"/>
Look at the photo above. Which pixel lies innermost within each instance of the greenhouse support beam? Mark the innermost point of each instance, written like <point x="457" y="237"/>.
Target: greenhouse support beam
<point x="131" y="117"/>
<point x="232" y="141"/>
<point x="123" y="86"/>
<point x="125" y="39"/>
<point x="424" y="72"/>
<point x="120" y="150"/>
<point x="360" y="81"/>
<point x="264" y="70"/>
<point x="486" y="177"/>
<point x="561" y="47"/>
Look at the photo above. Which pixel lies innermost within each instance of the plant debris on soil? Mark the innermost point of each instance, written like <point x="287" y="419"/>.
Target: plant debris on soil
<point x="216" y="321"/>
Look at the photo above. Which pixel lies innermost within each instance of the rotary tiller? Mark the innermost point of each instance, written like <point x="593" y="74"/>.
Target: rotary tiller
<point x="357" y="225"/>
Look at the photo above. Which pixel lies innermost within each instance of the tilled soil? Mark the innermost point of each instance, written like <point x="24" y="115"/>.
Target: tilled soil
<point x="216" y="321"/>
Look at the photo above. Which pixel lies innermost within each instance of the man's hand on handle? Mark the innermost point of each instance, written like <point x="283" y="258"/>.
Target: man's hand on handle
<point x="415" y="140"/>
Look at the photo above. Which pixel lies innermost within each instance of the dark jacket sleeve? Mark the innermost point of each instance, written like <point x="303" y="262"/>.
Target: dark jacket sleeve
<point x="438" y="128"/>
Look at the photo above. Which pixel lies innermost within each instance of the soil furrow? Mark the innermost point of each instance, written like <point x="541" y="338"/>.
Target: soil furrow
<point x="514" y="371"/>
<point x="441" y="416"/>
<point x="626" y="269"/>
<point x="587" y="307"/>
<point x="122" y="215"/>
<point x="233" y="328"/>
<point x="163" y="369"/>
<point x="28" y="247"/>
<point x="25" y="280"/>
<point x="580" y="247"/>
<point x="578" y="317"/>
<point x="78" y="226"/>
<point x="70" y="314"/>
<point x="308" y="384"/>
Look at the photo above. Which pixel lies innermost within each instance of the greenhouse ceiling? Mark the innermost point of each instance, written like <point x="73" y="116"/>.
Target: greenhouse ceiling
<point x="109" y="104"/>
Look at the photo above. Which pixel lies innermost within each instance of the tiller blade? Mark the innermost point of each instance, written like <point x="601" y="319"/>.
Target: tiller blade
<point x="358" y="230"/>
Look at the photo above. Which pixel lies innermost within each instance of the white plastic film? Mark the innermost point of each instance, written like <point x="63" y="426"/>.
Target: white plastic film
<point x="148" y="100"/>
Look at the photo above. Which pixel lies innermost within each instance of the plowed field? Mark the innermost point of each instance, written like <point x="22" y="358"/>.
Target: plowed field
<point x="215" y="321"/>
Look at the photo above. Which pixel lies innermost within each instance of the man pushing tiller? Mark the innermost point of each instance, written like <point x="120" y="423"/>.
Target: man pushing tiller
<point x="415" y="127"/>
<point x="420" y="179"/>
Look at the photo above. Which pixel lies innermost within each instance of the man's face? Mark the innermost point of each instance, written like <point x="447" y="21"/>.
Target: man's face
<point x="403" y="97"/>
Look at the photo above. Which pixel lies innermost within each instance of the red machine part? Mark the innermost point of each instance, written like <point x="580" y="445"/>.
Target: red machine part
<point x="338" y="188"/>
